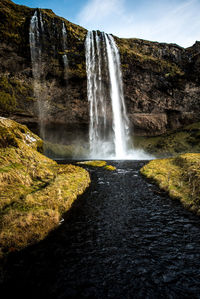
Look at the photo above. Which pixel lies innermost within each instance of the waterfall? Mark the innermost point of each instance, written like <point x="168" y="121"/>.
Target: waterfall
<point x="35" y="44"/>
<point x="109" y="124"/>
<point x="120" y="119"/>
<point x="35" y="39"/>
<point x="65" y="60"/>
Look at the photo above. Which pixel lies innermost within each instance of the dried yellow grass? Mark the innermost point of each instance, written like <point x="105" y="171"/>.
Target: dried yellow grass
<point x="179" y="176"/>
<point x="34" y="190"/>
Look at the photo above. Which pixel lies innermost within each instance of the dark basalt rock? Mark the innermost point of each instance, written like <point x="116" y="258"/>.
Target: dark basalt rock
<point x="161" y="84"/>
<point x="161" y="81"/>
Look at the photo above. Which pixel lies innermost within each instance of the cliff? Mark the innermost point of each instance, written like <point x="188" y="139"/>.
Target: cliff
<point x="35" y="191"/>
<point x="161" y="84"/>
<point x="161" y="81"/>
<point x="66" y="99"/>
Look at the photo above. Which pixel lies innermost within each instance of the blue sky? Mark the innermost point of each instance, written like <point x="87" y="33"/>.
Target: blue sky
<point x="172" y="21"/>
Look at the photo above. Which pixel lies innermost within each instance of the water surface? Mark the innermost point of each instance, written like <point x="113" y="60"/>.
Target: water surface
<point x="122" y="239"/>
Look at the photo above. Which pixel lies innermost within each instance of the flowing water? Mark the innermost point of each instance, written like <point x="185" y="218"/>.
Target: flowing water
<point x="37" y="38"/>
<point x="65" y="60"/>
<point x="109" y="125"/>
<point x="123" y="238"/>
<point x="36" y="30"/>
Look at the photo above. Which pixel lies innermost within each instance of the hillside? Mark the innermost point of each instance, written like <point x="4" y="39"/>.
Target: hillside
<point x="35" y="191"/>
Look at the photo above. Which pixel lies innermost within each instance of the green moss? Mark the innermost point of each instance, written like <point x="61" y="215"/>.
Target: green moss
<point x="5" y="85"/>
<point x="98" y="163"/>
<point x="75" y="46"/>
<point x="94" y="163"/>
<point x="7" y="102"/>
<point x="14" y="26"/>
<point x="13" y="20"/>
<point x="78" y="72"/>
<point x="12" y="92"/>
<point x="110" y="167"/>
<point x="21" y="87"/>
<point x="34" y="190"/>
<point x="178" y="176"/>
<point x="144" y="52"/>
<point x="186" y="140"/>
<point x="193" y="127"/>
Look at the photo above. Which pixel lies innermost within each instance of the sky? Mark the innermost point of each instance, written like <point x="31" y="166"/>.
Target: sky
<point x="171" y="21"/>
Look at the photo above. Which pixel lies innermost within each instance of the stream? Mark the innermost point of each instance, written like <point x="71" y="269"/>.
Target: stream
<point x="123" y="238"/>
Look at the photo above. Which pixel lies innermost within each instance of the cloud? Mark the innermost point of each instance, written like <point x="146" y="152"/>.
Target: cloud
<point x="96" y="10"/>
<point x="173" y="21"/>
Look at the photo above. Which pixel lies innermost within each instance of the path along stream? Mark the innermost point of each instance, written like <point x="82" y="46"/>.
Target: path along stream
<point x="121" y="239"/>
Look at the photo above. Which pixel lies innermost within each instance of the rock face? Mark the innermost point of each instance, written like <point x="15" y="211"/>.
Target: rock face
<point x="161" y="81"/>
<point x="161" y="84"/>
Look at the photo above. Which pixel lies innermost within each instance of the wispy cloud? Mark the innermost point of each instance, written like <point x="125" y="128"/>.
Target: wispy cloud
<point x="173" y="21"/>
<point x="100" y="10"/>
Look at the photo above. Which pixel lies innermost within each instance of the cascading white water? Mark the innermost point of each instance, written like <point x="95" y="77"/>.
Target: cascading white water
<point x="64" y="35"/>
<point x="105" y="95"/>
<point x="35" y="45"/>
<point x="41" y="22"/>
<point x="36" y="30"/>
<point x="120" y="119"/>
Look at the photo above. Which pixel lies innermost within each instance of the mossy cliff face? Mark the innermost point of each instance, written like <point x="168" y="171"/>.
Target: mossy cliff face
<point x="161" y="84"/>
<point x="161" y="81"/>
<point x="64" y="95"/>
<point x="178" y="176"/>
<point x="182" y="141"/>
<point x="34" y="190"/>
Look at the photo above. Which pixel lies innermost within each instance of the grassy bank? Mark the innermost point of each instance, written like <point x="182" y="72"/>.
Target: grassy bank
<point x="184" y="141"/>
<point x="34" y="190"/>
<point x="179" y="176"/>
<point x="98" y="163"/>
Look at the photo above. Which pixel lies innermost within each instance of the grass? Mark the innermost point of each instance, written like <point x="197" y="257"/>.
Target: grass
<point x="172" y="143"/>
<point x="12" y="91"/>
<point x="98" y="163"/>
<point x="179" y="176"/>
<point x="110" y="167"/>
<point x="34" y="190"/>
<point x="147" y="52"/>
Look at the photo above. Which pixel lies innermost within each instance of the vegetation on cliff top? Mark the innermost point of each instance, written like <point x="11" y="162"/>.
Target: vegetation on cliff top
<point x="16" y="82"/>
<point x="148" y="53"/>
<point x="15" y="19"/>
<point x="178" y="176"/>
<point x="14" y="33"/>
<point x="54" y="45"/>
<point x="34" y="190"/>
<point x="13" y="23"/>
